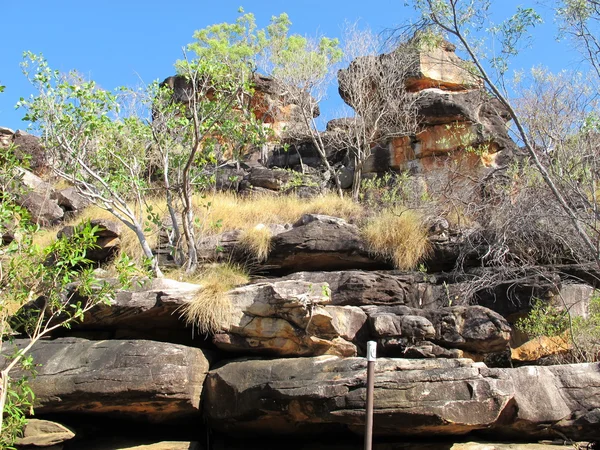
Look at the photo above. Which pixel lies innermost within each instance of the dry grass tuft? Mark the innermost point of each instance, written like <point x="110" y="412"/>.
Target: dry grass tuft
<point x="210" y="311"/>
<point x="236" y="212"/>
<point x="257" y="242"/>
<point x="398" y="235"/>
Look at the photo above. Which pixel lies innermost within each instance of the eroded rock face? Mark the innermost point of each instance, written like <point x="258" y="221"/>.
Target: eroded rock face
<point x="25" y="146"/>
<point x="108" y="239"/>
<point x="361" y="288"/>
<point x="462" y="129"/>
<point x="471" y="328"/>
<point x="412" y="397"/>
<point x="134" y="379"/>
<point x="289" y="318"/>
<point x="152" y="310"/>
<point x="37" y="196"/>
<point x="271" y="103"/>
<point x="319" y="242"/>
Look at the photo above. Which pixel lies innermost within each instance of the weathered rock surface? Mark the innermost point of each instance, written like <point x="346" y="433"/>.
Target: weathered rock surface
<point x="339" y="443"/>
<point x="44" y="433"/>
<point x="318" y="242"/>
<point x="26" y="146"/>
<point x="170" y="445"/>
<point x="35" y="195"/>
<point x="271" y="102"/>
<point x="289" y="318"/>
<point x="141" y="380"/>
<point x="412" y="398"/>
<point x="154" y="307"/>
<point x="71" y="200"/>
<point x="272" y="179"/>
<point x="472" y="328"/>
<point x="361" y="288"/>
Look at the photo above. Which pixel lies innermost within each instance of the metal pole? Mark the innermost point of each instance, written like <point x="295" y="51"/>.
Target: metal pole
<point x="371" y="357"/>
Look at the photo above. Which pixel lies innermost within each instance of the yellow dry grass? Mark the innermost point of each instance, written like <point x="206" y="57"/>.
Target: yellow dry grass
<point x="210" y="311"/>
<point x="236" y="212"/>
<point x="223" y="212"/>
<point x="256" y="241"/>
<point x="130" y="244"/>
<point x="397" y="235"/>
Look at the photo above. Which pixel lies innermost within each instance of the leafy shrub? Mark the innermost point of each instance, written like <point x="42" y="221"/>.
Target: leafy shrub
<point x="582" y="332"/>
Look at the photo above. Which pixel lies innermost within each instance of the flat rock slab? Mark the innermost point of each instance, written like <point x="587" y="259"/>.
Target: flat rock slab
<point x="154" y="305"/>
<point x="148" y="380"/>
<point x="44" y="433"/>
<point x="412" y="398"/>
<point x="385" y="288"/>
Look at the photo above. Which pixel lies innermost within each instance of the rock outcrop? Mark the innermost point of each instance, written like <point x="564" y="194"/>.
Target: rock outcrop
<point x="412" y="398"/>
<point x="271" y="103"/>
<point x="26" y="147"/>
<point x="289" y="318"/>
<point x="142" y="380"/>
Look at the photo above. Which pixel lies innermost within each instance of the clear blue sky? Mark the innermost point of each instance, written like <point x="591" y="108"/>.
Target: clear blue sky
<point x="122" y="42"/>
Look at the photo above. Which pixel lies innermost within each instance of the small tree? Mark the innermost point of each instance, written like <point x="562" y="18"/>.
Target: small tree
<point x="34" y="294"/>
<point x="375" y="87"/>
<point x="213" y="115"/>
<point x="303" y="68"/>
<point x="91" y="144"/>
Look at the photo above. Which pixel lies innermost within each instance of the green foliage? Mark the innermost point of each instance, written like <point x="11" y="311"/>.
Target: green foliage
<point x="82" y="123"/>
<point x="19" y="402"/>
<point x="544" y="319"/>
<point x="584" y="332"/>
<point x="41" y="290"/>
<point x="389" y="191"/>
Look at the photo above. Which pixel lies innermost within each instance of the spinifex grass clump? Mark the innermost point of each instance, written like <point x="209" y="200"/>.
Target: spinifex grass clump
<point x="210" y="311"/>
<point x="398" y="235"/>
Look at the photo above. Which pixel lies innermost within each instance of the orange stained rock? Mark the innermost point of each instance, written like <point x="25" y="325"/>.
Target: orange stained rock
<point x="540" y="347"/>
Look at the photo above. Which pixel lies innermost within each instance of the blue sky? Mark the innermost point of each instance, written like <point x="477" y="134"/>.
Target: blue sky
<point x="122" y="42"/>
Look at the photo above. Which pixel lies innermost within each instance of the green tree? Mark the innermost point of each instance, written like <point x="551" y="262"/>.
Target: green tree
<point x="303" y="68"/>
<point x="92" y="143"/>
<point x="215" y="120"/>
<point x="34" y="295"/>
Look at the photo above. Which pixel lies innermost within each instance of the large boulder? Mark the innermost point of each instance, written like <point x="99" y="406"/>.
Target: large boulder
<point x="289" y="318"/>
<point x="44" y="433"/>
<point x="412" y="398"/>
<point x="362" y="288"/>
<point x="135" y="379"/>
<point x="38" y="197"/>
<point x="150" y="310"/>
<point x="27" y="148"/>
<point x="471" y="328"/>
<point x="318" y="242"/>
<point x="108" y="239"/>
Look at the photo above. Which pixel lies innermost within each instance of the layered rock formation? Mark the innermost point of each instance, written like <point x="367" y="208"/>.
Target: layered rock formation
<point x="412" y="398"/>
<point x="459" y="121"/>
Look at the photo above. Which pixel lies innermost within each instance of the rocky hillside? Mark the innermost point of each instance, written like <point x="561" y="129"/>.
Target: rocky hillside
<point x="282" y="363"/>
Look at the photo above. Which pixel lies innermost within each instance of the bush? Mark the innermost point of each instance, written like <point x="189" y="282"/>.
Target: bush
<point x="398" y="235"/>
<point x="583" y="333"/>
<point x="257" y="242"/>
<point x="210" y="311"/>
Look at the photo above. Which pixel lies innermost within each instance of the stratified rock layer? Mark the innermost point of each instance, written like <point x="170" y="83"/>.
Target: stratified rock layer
<point x="147" y="380"/>
<point x="412" y="397"/>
